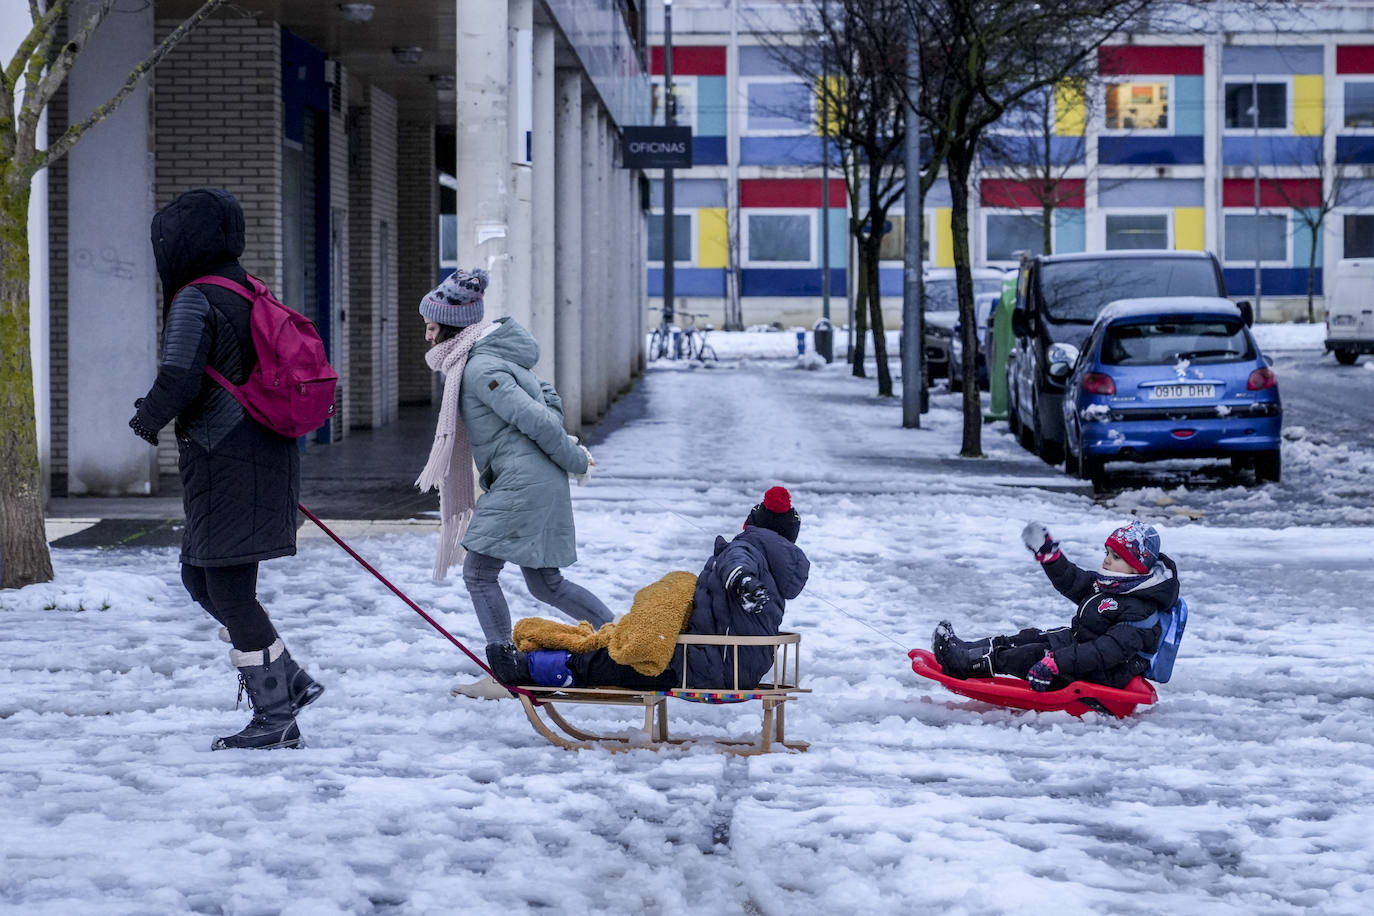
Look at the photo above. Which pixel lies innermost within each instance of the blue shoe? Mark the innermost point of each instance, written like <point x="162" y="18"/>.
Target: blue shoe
<point x="549" y="668"/>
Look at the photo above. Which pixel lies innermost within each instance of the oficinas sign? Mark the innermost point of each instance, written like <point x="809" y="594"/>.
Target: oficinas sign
<point x="656" y="147"/>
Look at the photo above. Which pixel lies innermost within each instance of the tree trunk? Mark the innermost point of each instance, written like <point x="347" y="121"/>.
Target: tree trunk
<point x="1311" y="277"/>
<point x="868" y="263"/>
<point x="1047" y="225"/>
<point x="24" y="557"/>
<point x="860" y="318"/>
<point x="960" y="164"/>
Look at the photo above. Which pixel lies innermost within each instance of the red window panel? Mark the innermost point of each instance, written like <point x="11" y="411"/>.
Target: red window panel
<point x="1274" y="192"/>
<point x="1355" y="58"/>
<point x="788" y="192"/>
<point x="689" y="60"/>
<point x="1125" y="60"/>
<point x="1001" y="192"/>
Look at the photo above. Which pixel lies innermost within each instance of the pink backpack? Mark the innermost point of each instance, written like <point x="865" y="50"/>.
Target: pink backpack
<point x="291" y="390"/>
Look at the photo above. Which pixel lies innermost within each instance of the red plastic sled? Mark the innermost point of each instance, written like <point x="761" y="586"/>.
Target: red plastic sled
<point x="1076" y="699"/>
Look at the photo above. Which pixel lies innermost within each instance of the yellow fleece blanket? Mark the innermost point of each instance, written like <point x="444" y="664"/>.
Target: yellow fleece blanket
<point x="643" y="639"/>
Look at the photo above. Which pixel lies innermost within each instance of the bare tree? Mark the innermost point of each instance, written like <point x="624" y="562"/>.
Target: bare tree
<point x="866" y="114"/>
<point x="981" y="58"/>
<point x="31" y="78"/>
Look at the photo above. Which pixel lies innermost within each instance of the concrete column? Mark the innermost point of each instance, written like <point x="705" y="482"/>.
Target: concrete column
<point x="592" y="255"/>
<point x="417" y="237"/>
<point x="520" y="70"/>
<point x="483" y="101"/>
<point x="1213" y="96"/>
<point x="620" y="278"/>
<point x="542" y="208"/>
<point x="568" y="254"/>
<point x="114" y="308"/>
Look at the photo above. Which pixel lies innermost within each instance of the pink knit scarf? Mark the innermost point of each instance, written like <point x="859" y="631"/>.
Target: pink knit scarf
<point x="450" y="458"/>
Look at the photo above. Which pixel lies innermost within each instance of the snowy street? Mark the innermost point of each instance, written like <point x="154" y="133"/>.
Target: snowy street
<point x="1248" y="789"/>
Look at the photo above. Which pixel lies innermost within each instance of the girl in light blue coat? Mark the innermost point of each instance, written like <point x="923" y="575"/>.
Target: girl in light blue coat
<point x="498" y="414"/>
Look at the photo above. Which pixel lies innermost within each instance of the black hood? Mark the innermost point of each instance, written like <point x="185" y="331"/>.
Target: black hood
<point x="199" y="231"/>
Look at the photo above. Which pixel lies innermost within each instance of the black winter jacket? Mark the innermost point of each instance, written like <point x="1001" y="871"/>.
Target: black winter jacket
<point x="240" y="480"/>
<point x="1100" y="645"/>
<point x="776" y="562"/>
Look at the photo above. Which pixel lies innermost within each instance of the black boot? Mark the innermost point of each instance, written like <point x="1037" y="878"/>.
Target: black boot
<point x="303" y="688"/>
<point x="508" y="664"/>
<point x="263" y="674"/>
<point x="969" y="659"/>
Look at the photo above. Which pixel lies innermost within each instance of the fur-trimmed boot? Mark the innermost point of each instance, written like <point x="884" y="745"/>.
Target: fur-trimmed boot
<point x="303" y="688"/>
<point x="263" y="674"/>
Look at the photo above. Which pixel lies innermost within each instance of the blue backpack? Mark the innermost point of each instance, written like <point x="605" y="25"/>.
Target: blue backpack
<point x="1162" y="658"/>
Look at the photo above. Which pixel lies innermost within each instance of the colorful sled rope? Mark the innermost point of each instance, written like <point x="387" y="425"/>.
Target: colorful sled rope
<point x="1077" y="698"/>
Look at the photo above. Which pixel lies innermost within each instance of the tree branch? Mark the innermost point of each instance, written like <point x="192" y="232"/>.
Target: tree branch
<point x="44" y="25"/>
<point x="136" y="76"/>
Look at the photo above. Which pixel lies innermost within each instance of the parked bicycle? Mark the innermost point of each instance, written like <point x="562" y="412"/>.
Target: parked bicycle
<point x="661" y="340"/>
<point x="693" y="343"/>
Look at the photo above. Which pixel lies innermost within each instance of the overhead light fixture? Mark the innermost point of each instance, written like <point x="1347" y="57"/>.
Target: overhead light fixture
<point x="443" y="82"/>
<point x="357" y="12"/>
<point x="409" y="55"/>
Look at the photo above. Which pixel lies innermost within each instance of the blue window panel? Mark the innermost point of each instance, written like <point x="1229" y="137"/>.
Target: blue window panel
<point x="1302" y="239"/>
<point x="1355" y="150"/>
<point x="1149" y="150"/>
<point x="890" y="280"/>
<point x="1240" y="150"/>
<point x="1277" y="281"/>
<point x="839" y="237"/>
<point x="690" y="192"/>
<point x="791" y="281"/>
<point x="1028" y="149"/>
<point x="758" y="60"/>
<point x="1189" y="113"/>
<point x="1244" y="60"/>
<point x="689" y="281"/>
<point x="708" y="151"/>
<point x="1356" y="192"/>
<point x="796" y="150"/>
<point x="1150" y="192"/>
<point x="1070" y="231"/>
<point x="711" y="106"/>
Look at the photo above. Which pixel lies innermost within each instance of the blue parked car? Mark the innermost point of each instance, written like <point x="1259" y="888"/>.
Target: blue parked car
<point x="1170" y="377"/>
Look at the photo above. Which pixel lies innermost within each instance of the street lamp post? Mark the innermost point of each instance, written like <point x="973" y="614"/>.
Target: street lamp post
<point x="1254" y="120"/>
<point x="670" y="120"/>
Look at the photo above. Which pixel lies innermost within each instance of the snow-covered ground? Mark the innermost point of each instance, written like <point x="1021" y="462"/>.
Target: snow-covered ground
<point x="1248" y="789"/>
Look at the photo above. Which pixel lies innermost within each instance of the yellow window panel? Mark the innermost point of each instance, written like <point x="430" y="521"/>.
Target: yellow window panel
<point x="1070" y="112"/>
<point x="944" y="237"/>
<point x="833" y="101"/>
<point x="713" y="237"/>
<point x="1190" y="233"/>
<point x="1307" y="106"/>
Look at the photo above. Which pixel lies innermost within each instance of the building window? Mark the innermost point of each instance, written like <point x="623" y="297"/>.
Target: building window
<point x="1359" y="236"/>
<point x="682" y="238"/>
<point x="893" y="246"/>
<point x="1273" y="105"/>
<point x="1137" y="230"/>
<point x="1139" y="105"/>
<point x="779" y="239"/>
<point x="1009" y="234"/>
<point x="448" y="240"/>
<point x="685" y="90"/>
<point x="778" y="106"/>
<point x="1359" y="104"/>
<point x="1263" y="237"/>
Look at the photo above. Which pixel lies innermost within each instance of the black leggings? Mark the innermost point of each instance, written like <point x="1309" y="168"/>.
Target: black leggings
<point x="598" y="669"/>
<point x="230" y="594"/>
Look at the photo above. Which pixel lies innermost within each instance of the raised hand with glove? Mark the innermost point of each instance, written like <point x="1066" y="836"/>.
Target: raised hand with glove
<point x="751" y="593"/>
<point x="1038" y="541"/>
<point x="1042" y="674"/>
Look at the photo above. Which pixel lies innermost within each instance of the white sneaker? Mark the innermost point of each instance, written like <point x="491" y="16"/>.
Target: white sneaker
<point x="484" y="689"/>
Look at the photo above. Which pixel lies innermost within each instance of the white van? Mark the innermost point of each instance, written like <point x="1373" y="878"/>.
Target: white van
<point x="1350" y="310"/>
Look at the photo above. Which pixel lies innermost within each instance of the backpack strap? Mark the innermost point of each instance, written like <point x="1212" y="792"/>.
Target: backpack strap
<point x="1145" y="624"/>
<point x="239" y="289"/>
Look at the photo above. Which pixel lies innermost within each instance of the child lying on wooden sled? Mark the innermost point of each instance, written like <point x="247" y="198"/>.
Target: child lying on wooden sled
<point x="1104" y="643"/>
<point x="741" y="591"/>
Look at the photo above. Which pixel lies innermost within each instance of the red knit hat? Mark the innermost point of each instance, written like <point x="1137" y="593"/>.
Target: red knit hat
<point x="776" y="514"/>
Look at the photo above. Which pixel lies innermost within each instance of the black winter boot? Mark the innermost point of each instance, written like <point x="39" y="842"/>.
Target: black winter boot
<point x="263" y="674"/>
<point x="508" y="664"/>
<point x="969" y="659"/>
<point x="303" y="688"/>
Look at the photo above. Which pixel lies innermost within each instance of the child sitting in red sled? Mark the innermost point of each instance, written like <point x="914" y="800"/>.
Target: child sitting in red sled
<point x="1104" y="642"/>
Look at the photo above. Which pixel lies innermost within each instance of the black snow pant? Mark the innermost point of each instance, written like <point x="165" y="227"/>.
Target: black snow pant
<point x="598" y="669"/>
<point x="1017" y="654"/>
<point x="230" y="595"/>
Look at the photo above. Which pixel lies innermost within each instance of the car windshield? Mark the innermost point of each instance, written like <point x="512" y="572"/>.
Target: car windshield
<point x="943" y="296"/>
<point x="1077" y="290"/>
<point x="1154" y="342"/>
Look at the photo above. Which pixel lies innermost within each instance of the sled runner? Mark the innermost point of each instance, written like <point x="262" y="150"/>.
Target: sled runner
<point x="1076" y="699"/>
<point x="773" y="696"/>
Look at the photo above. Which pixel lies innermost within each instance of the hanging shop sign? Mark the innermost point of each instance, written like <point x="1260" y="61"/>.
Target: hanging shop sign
<point x="656" y="147"/>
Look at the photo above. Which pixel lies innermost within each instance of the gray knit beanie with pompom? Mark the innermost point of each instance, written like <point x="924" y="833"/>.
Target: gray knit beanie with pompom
<point x="457" y="301"/>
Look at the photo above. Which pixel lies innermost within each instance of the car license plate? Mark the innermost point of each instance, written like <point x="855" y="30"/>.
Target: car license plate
<point x="1163" y="392"/>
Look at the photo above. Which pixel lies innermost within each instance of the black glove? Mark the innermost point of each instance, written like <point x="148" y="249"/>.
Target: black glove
<point x="1043" y="673"/>
<point x="752" y="594"/>
<point x="1039" y="542"/>
<point x="139" y="427"/>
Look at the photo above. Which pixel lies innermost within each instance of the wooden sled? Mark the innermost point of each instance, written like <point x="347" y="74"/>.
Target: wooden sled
<point x="1077" y="698"/>
<point x="772" y="696"/>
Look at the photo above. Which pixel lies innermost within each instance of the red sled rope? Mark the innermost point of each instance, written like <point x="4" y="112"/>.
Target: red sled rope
<point x="413" y="606"/>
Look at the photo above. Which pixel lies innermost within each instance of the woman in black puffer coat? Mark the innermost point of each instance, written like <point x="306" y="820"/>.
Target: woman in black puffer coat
<point x="239" y="479"/>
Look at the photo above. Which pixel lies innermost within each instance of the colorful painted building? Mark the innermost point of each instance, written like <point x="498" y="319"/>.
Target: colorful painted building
<point x="1163" y="150"/>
